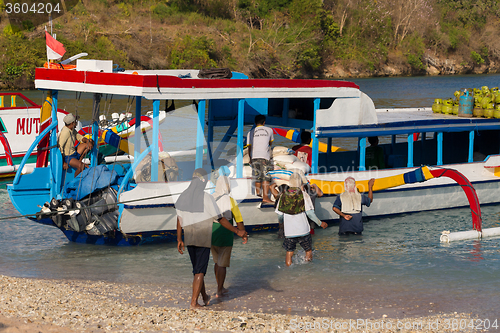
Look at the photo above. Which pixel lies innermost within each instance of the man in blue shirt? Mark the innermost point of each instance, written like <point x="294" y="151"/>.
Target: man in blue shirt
<point x="349" y="207"/>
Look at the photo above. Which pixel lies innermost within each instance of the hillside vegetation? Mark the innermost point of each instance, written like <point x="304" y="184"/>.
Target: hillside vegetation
<point x="267" y="38"/>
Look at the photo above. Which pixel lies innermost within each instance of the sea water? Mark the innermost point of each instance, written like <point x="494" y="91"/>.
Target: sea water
<point x="397" y="267"/>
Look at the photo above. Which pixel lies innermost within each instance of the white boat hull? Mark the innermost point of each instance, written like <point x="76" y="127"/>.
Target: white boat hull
<point x="438" y="193"/>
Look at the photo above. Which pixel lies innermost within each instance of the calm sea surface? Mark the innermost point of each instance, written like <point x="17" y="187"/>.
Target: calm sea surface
<point x="398" y="267"/>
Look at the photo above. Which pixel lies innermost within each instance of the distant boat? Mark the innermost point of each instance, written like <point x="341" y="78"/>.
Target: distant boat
<point x="19" y="126"/>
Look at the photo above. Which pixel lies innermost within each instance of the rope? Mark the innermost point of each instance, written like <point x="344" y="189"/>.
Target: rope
<point x="77" y="97"/>
<point x="129" y="105"/>
<point x="89" y="207"/>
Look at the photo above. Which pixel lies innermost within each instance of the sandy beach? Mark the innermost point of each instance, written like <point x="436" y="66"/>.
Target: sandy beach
<point x="33" y="305"/>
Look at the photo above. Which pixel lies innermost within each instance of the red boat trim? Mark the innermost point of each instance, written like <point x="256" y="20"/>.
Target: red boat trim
<point x="168" y="81"/>
<point x="469" y="190"/>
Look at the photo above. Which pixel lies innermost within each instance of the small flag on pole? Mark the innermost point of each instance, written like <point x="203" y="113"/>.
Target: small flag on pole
<point x="55" y="49"/>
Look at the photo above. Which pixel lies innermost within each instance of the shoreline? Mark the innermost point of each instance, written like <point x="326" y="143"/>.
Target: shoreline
<point x="28" y="305"/>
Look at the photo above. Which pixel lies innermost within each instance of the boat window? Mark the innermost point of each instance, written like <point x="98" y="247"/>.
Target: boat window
<point x="301" y="108"/>
<point x="326" y="103"/>
<point x="275" y="107"/>
<point x="378" y="150"/>
<point x="486" y="143"/>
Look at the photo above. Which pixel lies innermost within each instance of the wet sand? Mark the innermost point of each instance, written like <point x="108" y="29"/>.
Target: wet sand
<point x="32" y="305"/>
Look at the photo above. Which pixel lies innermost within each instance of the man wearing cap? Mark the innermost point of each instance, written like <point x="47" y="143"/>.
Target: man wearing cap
<point x="72" y="156"/>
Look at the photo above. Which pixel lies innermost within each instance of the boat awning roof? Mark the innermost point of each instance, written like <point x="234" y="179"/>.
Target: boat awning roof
<point x="410" y="121"/>
<point x="167" y="85"/>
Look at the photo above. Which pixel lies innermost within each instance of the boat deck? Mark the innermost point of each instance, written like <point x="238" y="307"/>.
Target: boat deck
<point x="386" y="116"/>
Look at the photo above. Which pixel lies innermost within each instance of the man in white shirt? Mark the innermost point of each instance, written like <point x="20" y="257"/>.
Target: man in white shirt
<point x="259" y="140"/>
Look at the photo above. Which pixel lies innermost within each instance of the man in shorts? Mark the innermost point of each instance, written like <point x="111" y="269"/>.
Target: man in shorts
<point x="259" y="140"/>
<point x="294" y="205"/>
<point x="222" y="238"/>
<point x="196" y="212"/>
<point x="72" y="156"/>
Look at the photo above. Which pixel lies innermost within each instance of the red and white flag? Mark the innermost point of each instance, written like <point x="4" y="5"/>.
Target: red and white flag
<point x="55" y="49"/>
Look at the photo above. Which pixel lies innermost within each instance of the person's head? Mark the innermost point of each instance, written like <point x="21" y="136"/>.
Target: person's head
<point x="350" y="185"/>
<point x="200" y="175"/>
<point x="70" y="120"/>
<point x="222" y="186"/>
<point x="260" y="119"/>
<point x="373" y="140"/>
<point x="295" y="180"/>
<point x="305" y="137"/>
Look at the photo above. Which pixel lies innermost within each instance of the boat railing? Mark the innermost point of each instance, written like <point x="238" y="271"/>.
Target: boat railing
<point x="13" y="103"/>
<point x="7" y="150"/>
<point x="30" y="150"/>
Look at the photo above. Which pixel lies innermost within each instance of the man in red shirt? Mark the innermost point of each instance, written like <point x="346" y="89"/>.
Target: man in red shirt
<point x="304" y="151"/>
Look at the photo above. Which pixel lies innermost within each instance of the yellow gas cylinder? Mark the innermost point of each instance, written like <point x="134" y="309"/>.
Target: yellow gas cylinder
<point x="437" y="107"/>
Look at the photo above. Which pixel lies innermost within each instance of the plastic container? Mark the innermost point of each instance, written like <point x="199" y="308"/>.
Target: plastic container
<point x="465" y="105"/>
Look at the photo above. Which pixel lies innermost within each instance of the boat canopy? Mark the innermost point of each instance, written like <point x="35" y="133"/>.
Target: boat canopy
<point x="166" y="84"/>
<point x="234" y="102"/>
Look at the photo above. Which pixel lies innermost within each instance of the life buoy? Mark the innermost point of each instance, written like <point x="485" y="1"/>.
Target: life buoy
<point x="54" y="65"/>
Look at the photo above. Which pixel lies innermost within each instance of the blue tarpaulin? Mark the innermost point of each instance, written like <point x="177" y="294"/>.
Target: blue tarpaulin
<point x="89" y="181"/>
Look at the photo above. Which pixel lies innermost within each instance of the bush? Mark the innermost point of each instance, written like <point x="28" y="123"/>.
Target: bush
<point x="415" y="61"/>
<point x="193" y="52"/>
<point x="162" y="11"/>
<point x="476" y="57"/>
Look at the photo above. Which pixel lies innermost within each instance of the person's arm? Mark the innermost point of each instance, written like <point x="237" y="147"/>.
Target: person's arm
<point x="61" y="142"/>
<point x="274" y="192"/>
<point x="80" y="138"/>
<point x="370" y="189"/>
<point x="235" y="210"/>
<point x="180" y="243"/>
<point x="312" y="215"/>
<point x="318" y="190"/>
<point x="338" y="211"/>
<point x="241" y="226"/>
<point x="225" y="223"/>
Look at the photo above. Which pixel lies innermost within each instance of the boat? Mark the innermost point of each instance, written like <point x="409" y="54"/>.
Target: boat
<point x="20" y="124"/>
<point x="132" y="207"/>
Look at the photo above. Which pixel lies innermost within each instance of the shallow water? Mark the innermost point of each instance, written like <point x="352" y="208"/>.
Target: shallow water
<point x="398" y="267"/>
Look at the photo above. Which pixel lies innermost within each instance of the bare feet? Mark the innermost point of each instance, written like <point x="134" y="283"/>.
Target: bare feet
<point x="267" y="201"/>
<point x="196" y="306"/>
<point x="206" y="299"/>
<point x="222" y="293"/>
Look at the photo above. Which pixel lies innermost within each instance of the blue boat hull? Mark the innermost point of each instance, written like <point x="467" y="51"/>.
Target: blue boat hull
<point x="116" y="238"/>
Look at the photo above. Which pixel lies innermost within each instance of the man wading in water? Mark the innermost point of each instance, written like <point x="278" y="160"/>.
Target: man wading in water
<point x="349" y="207"/>
<point x="196" y="212"/>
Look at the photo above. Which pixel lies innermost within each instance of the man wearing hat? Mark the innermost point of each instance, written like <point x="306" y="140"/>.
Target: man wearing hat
<point x="72" y="156"/>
